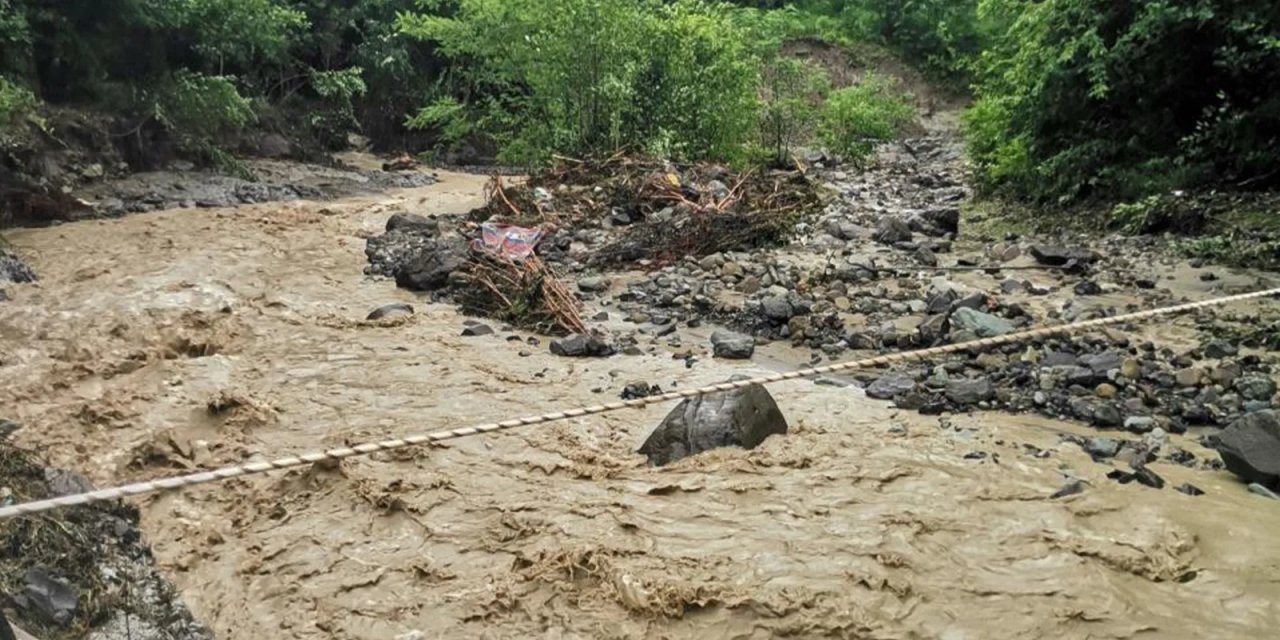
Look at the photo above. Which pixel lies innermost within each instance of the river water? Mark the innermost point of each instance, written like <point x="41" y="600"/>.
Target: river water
<point x="863" y="522"/>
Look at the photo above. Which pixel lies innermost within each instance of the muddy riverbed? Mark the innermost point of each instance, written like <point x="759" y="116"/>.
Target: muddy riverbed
<point x="183" y="339"/>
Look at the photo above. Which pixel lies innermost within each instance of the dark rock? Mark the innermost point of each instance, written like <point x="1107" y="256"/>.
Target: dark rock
<point x="390" y="311"/>
<point x="8" y="428"/>
<point x="1087" y="288"/>
<point x="975" y="301"/>
<point x="1105" y="415"/>
<point x="640" y="390"/>
<point x="926" y="257"/>
<point x="430" y="269"/>
<point x="777" y="309"/>
<point x="1190" y="489"/>
<point x="1101" y="363"/>
<point x="1143" y="475"/>
<point x="732" y="346"/>
<point x="1220" y="349"/>
<point x="593" y="284"/>
<point x="1145" y="283"/>
<point x="1256" y="387"/>
<point x="933" y="328"/>
<point x="477" y="330"/>
<point x="984" y="325"/>
<point x="581" y="346"/>
<point x="14" y="270"/>
<point x="967" y="392"/>
<point x="412" y="223"/>
<point x="739" y="418"/>
<point x="1058" y="256"/>
<point x="1250" y="447"/>
<point x="273" y="145"/>
<point x="891" y="231"/>
<point x="945" y="218"/>
<point x="890" y="386"/>
<point x="940" y="302"/>
<point x="51" y="597"/>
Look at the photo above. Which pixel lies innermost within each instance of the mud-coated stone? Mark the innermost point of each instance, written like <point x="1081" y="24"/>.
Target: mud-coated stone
<point x="739" y="418"/>
<point x="1250" y="447"/>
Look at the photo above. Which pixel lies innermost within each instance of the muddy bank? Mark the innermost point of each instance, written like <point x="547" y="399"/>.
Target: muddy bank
<point x="83" y="573"/>
<point x="175" y="340"/>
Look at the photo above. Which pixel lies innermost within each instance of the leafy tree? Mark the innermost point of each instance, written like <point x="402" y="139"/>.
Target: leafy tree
<point x="1089" y="99"/>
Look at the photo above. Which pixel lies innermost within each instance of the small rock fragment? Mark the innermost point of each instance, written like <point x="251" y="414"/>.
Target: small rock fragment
<point x="390" y="311"/>
<point x="477" y="330"/>
<point x="1190" y="489"/>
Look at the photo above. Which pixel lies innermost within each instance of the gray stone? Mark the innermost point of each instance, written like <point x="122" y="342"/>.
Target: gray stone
<point x="777" y="309"/>
<point x="1250" y="447"/>
<point x="984" y="325"/>
<point x="975" y="301"/>
<point x="1260" y="490"/>
<point x="8" y="428"/>
<point x="1139" y="424"/>
<point x="739" y="418"/>
<point x="1220" y="349"/>
<point x="1226" y="374"/>
<point x="1101" y="448"/>
<point x="14" y="270"/>
<point x="933" y="328"/>
<point x="732" y="346"/>
<point x="477" y="330"/>
<point x="1105" y="415"/>
<point x="1189" y="377"/>
<point x="581" y="346"/>
<point x="1101" y="363"/>
<point x="50" y="596"/>
<point x="890" y="386"/>
<point x="431" y="268"/>
<point x="412" y="223"/>
<point x="968" y="392"/>
<point x="595" y="283"/>
<point x="390" y="311"/>
<point x="1256" y="387"/>
<point x="892" y="231"/>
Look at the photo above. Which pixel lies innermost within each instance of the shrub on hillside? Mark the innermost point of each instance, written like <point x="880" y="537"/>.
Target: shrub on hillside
<point x="586" y="76"/>
<point x="1093" y="99"/>
<point x="855" y="119"/>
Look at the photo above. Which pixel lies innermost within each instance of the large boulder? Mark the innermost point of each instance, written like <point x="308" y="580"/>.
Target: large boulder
<point x="429" y="270"/>
<point x="739" y="418"/>
<point x="1250" y="447"/>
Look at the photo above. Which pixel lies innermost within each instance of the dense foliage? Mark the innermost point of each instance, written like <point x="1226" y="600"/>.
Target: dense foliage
<point x="1095" y="99"/>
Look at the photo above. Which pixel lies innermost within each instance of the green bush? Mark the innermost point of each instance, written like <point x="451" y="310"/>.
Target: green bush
<point x="16" y="102"/>
<point x="1096" y="100"/>
<point x="587" y="76"/>
<point x="855" y="119"/>
<point x="792" y="92"/>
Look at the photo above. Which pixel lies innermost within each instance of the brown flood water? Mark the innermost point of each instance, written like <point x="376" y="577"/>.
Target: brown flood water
<point x="841" y="529"/>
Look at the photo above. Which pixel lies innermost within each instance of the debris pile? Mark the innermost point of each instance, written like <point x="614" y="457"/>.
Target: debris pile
<point x="503" y="260"/>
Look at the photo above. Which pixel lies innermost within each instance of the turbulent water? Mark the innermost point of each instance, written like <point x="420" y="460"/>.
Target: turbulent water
<point x="181" y="339"/>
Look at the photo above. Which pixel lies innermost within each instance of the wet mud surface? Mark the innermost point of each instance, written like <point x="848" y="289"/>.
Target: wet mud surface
<point x="177" y="340"/>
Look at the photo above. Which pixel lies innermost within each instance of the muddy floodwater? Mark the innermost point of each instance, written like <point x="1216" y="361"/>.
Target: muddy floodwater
<point x="172" y="341"/>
